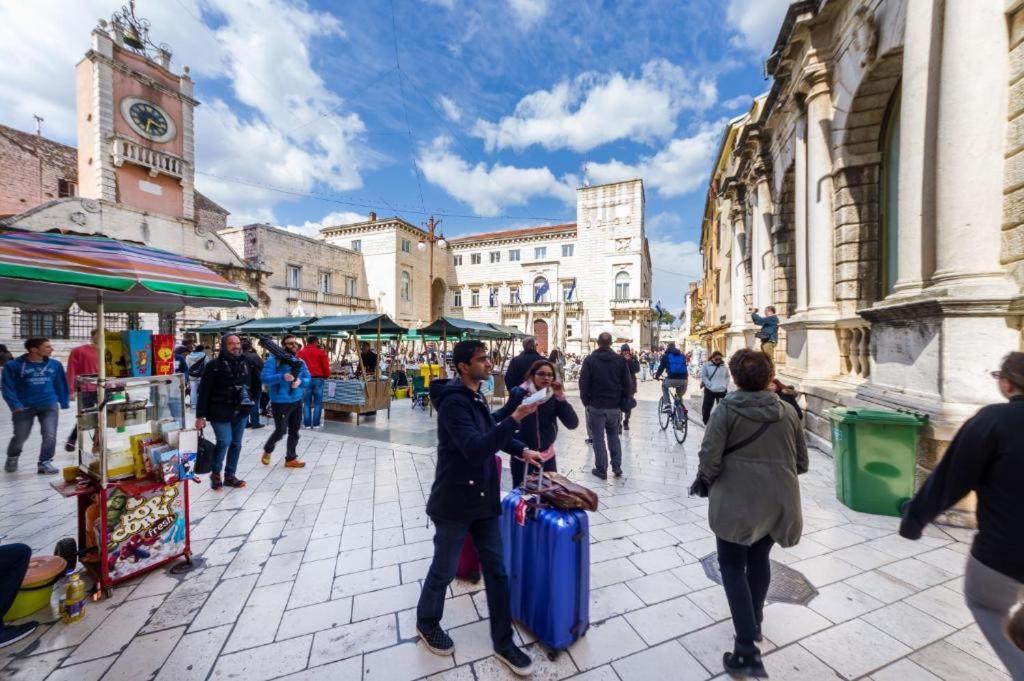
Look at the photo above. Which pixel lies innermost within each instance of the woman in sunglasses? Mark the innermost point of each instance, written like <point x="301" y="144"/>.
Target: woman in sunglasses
<point x="539" y="430"/>
<point x="987" y="457"/>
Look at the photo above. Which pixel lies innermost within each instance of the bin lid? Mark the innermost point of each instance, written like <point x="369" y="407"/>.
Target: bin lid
<point x="42" y="569"/>
<point x="862" y="415"/>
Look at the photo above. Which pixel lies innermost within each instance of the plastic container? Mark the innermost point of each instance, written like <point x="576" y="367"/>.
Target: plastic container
<point x="875" y="457"/>
<point x="37" y="586"/>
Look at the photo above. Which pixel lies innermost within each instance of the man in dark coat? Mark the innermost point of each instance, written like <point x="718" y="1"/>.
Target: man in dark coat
<point x="605" y="387"/>
<point x="466" y="499"/>
<point x="521" y="363"/>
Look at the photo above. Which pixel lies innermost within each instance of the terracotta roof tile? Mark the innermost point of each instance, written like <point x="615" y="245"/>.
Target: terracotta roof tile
<point x="514" y="233"/>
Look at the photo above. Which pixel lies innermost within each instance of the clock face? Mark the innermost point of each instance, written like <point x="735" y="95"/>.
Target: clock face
<point x="148" y="119"/>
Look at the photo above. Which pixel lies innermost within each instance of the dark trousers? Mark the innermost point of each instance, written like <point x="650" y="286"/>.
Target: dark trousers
<point x="710" y="399"/>
<point x="448" y="540"/>
<point x="518" y="467"/>
<point x="287" y="418"/>
<point x="22" y="421"/>
<point x="13" y="566"/>
<point x="746" y="573"/>
<point x="87" y="400"/>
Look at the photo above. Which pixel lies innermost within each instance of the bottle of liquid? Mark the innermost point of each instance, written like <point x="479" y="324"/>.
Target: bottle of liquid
<point x="74" y="600"/>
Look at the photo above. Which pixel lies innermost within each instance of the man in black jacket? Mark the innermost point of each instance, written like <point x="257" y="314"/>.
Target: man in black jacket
<point x="227" y="390"/>
<point x="606" y="386"/>
<point x="521" y="363"/>
<point x="465" y="498"/>
<point x="634" y="368"/>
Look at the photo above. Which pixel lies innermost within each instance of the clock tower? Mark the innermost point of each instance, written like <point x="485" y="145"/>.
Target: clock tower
<point x="135" y="135"/>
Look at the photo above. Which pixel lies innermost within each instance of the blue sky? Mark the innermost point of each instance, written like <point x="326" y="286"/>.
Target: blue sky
<point x="482" y="113"/>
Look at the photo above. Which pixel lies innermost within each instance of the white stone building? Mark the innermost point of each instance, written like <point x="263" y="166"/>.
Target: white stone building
<point x="874" y="197"/>
<point x="565" y="284"/>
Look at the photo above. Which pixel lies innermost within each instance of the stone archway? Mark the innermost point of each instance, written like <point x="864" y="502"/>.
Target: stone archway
<point x="540" y="332"/>
<point x="438" y="290"/>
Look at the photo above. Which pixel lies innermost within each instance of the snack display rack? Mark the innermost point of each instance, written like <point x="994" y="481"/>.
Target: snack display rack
<point x="133" y="517"/>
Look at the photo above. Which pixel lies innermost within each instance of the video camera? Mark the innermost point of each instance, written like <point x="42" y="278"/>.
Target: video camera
<point x="282" y="355"/>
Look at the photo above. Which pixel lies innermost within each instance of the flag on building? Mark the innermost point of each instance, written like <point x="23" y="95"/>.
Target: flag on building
<point x="572" y="291"/>
<point x="540" y="291"/>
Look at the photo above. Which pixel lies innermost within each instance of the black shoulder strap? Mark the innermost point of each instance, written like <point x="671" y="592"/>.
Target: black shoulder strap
<point x="747" y="440"/>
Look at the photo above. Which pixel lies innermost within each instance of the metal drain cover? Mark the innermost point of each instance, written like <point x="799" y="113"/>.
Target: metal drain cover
<point x="787" y="586"/>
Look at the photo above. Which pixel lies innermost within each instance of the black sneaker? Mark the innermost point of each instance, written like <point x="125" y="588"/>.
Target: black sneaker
<point x="516" y="660"/>
<point x="70" y="447"/>
<point x="13" y="633"/>
<point x="739" y="666"/>
<point x="436" y="640"/>
<point x="589" y="441"/>
<point x="617" y="472"/>
<point x="600" y="473"/>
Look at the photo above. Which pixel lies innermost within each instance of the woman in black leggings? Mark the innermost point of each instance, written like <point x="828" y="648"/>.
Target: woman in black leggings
<point x="752" y="452"/>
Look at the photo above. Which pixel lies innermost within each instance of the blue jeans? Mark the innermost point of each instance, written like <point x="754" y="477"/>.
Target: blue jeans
<point x="313" y="403"/>
<point x="23" y="419"/>
<point x="229" y="442"/>
<point x="448" y="540"/>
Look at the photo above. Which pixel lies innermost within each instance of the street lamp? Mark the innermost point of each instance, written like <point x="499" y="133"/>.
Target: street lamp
<point x="430" y="239"/>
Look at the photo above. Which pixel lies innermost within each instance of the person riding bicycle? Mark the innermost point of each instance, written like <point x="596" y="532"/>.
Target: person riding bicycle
<point x="674" y="363"/>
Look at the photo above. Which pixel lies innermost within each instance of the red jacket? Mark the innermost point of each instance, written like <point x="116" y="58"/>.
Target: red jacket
<point x="82" y="361"/>
<point x="316" y="361"/>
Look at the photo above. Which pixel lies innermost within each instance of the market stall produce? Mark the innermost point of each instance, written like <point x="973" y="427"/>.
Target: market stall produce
<point x="134" y="518"/>
<point x="365" y="392"/>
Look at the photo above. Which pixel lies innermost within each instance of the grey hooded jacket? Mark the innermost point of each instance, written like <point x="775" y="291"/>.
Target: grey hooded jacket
<point x="754" y="489"/>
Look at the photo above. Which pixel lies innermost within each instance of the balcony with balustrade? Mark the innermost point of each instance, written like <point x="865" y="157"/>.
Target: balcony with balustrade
<point x="305" y="295"/>
<point x="157" y="162"/>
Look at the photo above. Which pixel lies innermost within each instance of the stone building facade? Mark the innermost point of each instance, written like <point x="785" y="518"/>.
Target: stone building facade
<point x="565" y="284"/>
<point x="873" y="195"/>
<point x="307" y="276"/>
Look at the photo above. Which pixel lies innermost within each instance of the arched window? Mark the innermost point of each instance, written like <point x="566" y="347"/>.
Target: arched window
<point x="540" y="290"/>
<point x="890" y="202"/>
<point x="406" y="286"/>
<point x="622" y="286"/>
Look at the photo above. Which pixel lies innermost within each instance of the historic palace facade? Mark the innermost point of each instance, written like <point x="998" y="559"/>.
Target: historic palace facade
<point x="875" y="196"/>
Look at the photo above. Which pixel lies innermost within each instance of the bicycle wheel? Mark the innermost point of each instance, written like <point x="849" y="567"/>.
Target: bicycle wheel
<point x="664" y="413"/>
<point x="680" y="427"/>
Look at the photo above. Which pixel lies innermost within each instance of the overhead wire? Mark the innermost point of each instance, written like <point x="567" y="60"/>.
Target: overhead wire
<point x="405" y="107"/>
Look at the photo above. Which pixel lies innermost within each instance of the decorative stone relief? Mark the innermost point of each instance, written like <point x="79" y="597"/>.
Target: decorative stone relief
<point x="79" y="218"/>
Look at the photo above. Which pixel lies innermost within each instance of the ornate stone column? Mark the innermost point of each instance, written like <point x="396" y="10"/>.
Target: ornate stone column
<point x="800" y="212"/>
<point x="971" y="133"/>
<point x="918" y="108"/>
<point x="818" y="194"/>
<point x="761" y="243"/>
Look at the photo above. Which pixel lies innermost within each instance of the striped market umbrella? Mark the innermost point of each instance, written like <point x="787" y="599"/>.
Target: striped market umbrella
<point x="49" y="270"/>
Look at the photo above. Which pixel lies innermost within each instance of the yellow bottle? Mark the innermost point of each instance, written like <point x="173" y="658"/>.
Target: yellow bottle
<point x="75" y="598"/>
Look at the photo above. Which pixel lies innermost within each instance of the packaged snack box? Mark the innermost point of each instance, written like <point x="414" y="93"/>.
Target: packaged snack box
<point x="163" y="354"/>
<point x="138" y="346"/>
<point x="116" y="361"/>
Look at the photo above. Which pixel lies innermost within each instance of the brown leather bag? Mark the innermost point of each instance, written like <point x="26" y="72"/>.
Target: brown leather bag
<point x="561" y="492"/>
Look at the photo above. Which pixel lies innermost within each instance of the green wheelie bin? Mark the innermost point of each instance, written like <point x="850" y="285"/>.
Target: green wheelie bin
<point x="875" y="455"/>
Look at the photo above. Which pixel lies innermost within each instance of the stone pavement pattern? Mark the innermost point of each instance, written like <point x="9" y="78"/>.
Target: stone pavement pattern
<point x="315" y="573"/>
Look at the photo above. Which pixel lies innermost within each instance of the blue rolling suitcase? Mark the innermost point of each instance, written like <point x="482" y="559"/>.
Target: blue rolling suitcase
<point x="548" y="563"/>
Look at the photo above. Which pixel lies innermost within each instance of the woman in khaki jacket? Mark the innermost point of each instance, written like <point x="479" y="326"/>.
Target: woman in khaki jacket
<point x="752" y="452"/>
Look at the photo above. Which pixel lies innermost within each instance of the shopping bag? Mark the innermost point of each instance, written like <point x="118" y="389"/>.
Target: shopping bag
<point x="204" y="455"/>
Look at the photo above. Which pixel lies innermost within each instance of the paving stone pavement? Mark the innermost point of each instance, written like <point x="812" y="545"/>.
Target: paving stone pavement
<point x="314" y="574"/>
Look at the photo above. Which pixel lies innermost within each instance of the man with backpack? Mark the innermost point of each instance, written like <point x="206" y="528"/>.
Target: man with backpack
<point x="673" y="362"/>
<point x="227" y="390"/>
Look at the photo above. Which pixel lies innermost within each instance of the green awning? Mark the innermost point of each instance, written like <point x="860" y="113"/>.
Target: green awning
<point x="219" y="326"/>
<point x="359" y="324"/>
<point x="462" y="328"/>
<point x="277" y="325"/>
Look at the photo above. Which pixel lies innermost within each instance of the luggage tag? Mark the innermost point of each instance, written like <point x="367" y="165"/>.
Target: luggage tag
<point x="523" y="508"/>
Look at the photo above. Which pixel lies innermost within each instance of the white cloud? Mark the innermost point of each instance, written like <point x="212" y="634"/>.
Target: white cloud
<point x="663" y="223"/>
<point x="489" y="190"/>
<point x="261" y="47"/>
<point x="528" y="12"/>
<point x="594" y="109"/>
<point x="757" y="23"/>
<point x="675" y="265"/>
<point x="340" y="217"/>
<point x="738" y="102"/>
<point x="451" y="110"/>
<point x="682" y="166"/>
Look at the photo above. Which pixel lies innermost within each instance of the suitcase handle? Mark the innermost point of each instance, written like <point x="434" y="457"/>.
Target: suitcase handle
<point x="540" y="476"/>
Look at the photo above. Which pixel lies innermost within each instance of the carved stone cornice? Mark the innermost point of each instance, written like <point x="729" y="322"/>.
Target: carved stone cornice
<point x="902" y="313"/>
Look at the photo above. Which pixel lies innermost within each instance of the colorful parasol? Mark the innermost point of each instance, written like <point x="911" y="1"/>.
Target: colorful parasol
<point x="55" y="270"/>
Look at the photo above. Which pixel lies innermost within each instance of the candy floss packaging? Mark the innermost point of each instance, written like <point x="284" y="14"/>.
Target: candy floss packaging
<point x="138" y="345"/>
<point x="163" y="354"/>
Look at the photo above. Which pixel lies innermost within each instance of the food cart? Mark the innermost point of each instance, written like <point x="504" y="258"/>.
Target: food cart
<point x="128" y="522"/>
<point x="455" y="329"/>
<point x="360" y="394"/>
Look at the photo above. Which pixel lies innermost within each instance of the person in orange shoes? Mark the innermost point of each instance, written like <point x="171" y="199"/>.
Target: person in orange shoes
<point x="285" y="386"/>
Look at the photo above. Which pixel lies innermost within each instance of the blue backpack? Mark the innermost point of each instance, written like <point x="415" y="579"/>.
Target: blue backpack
<point x="676" y="363"/>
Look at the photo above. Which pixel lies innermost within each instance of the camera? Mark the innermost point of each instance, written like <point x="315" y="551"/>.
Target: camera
<point x="243" y="398"/>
